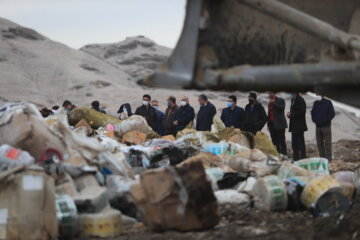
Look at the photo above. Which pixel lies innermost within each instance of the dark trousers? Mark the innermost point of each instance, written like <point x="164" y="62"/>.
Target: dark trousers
<point x="298" y="145"/>
<point x="324" y="142"/>
<point x="278" y="139"/>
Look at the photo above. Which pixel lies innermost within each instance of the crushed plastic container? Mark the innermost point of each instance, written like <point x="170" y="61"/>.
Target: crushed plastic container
<point x="10" y="156"/>
<point x="105" y="224"/>
<point x="324" y="196"/>
<point x="270" y="194"/>
<point x="216" y="148"/>
<point x="319" y="166"/>
<point x="67" y="216"/>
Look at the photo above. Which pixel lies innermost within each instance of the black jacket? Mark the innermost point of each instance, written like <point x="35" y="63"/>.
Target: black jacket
<point x="233" y="118"/>
<point x="322" y="113"/>
<point x="297" y="118"/>
<point x="205" y="117"/>
<point x="184" y="116"/>
<point x="168" y="122"/>
<point x="149" y="113"/>
<point x="279" y="122"/>
<point x="128" y="108"/>
<point x="255" y="118"/>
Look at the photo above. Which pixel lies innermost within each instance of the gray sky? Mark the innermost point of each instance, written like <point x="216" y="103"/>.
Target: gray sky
<point x="80" y="22"/>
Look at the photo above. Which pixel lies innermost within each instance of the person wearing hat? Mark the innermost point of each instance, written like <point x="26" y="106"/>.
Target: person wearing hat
<point x="205" y="115"/>
<point x="96" y="106"/>
<point x="125" y="111"/>
<point x="255" y="115"/>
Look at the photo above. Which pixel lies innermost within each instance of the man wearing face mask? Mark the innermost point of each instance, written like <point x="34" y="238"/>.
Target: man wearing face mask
<point x="205" y="115"/>
<point x="297" y="126"/>
<point x="168" y="122"/>
<point x="277" y="122"/>
<point x="160" y="117"/>
<point x="233" y="116"/>
<point x="322" y="114"/>
<point x="185" y="115"/>
<point x="147" y="111"/>
<point x="255" y="115"/>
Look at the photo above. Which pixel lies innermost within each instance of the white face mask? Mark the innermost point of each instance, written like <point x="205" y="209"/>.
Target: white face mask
<point x="318" y="98"/>
<point x="183" y="103"/>
<point x="125" y="110"/>
<point x="145" y="103"/>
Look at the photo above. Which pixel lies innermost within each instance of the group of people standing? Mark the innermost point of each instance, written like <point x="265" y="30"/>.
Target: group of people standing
<point x="251" y="119"/>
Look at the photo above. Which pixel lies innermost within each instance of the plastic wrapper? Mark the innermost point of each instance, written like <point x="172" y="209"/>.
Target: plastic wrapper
<point x="241" y="200"/>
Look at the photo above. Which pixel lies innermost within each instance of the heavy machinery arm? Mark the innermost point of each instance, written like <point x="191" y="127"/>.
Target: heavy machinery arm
<point x="265" y="45"/>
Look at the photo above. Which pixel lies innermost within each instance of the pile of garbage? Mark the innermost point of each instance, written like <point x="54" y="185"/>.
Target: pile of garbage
<point x="102" y="175"/>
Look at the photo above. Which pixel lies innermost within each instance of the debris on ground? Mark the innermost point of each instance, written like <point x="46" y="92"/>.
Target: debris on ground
<point x="109" y="178"/>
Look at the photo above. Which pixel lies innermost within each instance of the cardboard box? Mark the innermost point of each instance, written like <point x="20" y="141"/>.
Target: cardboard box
<point x="27" y="206"/>
<point x="66" y="186"/>
<point x="160" y="197"/>
<point x="85" y="181"/>
<point x="169" y="137"/>
<point x="28" y="132"/>
<point x="77" y="161"/>
<point x="134" y="137"/>
<point x="91" y="200"/>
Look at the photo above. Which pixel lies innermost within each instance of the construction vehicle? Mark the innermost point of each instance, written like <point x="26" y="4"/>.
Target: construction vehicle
<point x="267" y="45"/>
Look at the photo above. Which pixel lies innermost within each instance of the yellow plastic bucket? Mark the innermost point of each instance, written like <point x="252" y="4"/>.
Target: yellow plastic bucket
<point x="316" y="188"/>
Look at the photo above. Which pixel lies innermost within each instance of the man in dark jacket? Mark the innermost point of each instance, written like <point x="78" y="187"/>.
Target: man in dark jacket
<point x="205" y="115"/>
<point x="277" y="122"/>
<point x="185" y="115"/>
<point x="255" y="115"/>
<point x="96" y="106"/>
<point x="322" y="114"/>
<point x="147" y="111"/>
<point x="160" y="117"/>
<point x="233" y="116"/>
<point x="168" y="122"/>
<point x="297" y="126"/>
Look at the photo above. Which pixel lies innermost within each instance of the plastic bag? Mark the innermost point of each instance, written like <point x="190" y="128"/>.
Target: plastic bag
<point x="11" y="157"/>
<point x="233" y="197"/>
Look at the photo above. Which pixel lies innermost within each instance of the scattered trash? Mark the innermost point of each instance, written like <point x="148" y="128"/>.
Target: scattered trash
<point x="106" y="174"/>
<point x="242" y="200"/>
<point x="264" y="143"/>
<point x="94" y="118"/>
<point x="105" y="224"/>
<point x="27" y="205"/>
<point x="318" y="166"/>
<point x="270" y="194"/>
<point x="180" y="194"/>
<point x="324" y="196"/>
<point x="67" y="217"/>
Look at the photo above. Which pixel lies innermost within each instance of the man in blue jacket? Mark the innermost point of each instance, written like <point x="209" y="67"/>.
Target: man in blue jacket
<point x="160" y="117"/>
<point x="205" y="115"/>
<point x="185" y="115"/>
<point x="233" y="116"/>
<point x="322" y="114"/>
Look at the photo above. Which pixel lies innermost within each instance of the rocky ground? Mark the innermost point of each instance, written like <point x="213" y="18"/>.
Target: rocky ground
<point x="237" y="223"/>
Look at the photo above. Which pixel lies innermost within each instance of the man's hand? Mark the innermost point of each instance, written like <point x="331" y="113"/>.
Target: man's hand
<point x="288" y="114"/>
<point x="176" y="123"/>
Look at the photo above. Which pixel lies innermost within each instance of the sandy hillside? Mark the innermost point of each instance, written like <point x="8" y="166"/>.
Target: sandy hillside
<point x="36" y="69"/>
<point x="136" y="56"/>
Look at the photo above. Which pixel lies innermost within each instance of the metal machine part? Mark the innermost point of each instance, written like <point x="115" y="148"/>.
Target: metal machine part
<point x="267" y="45"/>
